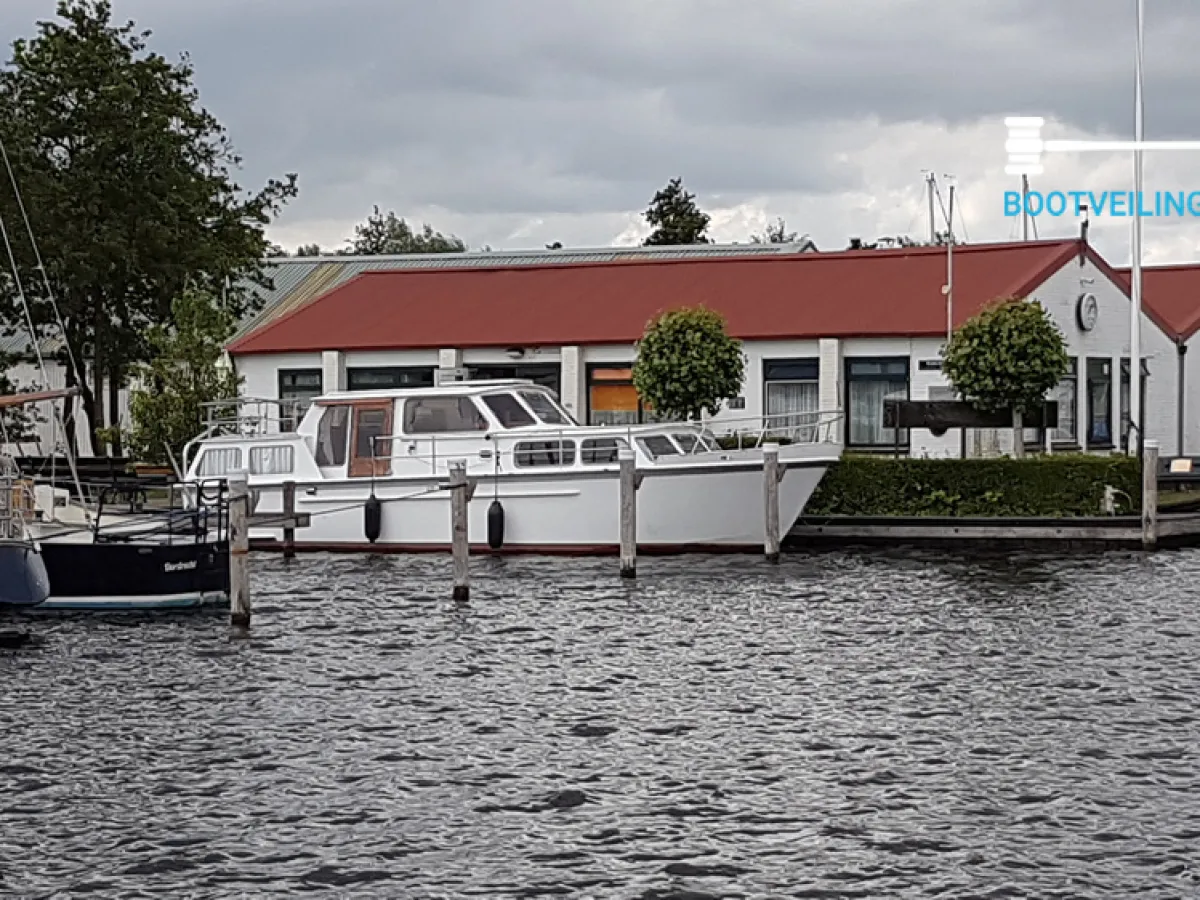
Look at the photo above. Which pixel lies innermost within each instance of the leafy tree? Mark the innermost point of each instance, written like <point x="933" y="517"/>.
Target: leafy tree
<point x="775" y="234"/>
<point x="686" y="363"/>
<point x="557" y="245"/>
<point x="17" y="422"/>
<point x="127" y="182"/>
<point x="675" y="217"/>
<point x="309" y="250"/>
<point x="167" y="408"/>
<point x="1008" y="356"/>
<point x="901" y="240"/>
<point x="384" y="234"/>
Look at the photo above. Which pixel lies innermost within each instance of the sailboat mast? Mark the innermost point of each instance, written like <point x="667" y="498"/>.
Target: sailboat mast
<point x="1135" y="273"/>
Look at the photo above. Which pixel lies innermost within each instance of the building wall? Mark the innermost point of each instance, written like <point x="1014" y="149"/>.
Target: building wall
<point x="47" y="434"/>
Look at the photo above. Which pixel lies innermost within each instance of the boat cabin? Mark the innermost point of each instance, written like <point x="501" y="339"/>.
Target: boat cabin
<point x="497" y="426"/>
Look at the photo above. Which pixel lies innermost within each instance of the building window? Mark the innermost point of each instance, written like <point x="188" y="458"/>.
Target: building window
<point x="382" y="378"/>
<point x="869" y="382"/>
<point x="793" y="395"/>
<point x="546" y="374"/>
<point x="1065" y="395"/>
<point x="1099" y="403"/>
<point x="299" y="385"/>
<point x="544" y="453"/>
<point x="1125" y="397"/>
<point x="435" y="415"/>
<point x="612" y="398"/>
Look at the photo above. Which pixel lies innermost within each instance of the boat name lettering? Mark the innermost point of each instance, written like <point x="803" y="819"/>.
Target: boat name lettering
<point x="179" y="566"/>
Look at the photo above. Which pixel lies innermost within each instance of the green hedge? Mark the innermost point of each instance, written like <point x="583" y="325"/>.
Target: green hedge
<point x="1056" y="485"/>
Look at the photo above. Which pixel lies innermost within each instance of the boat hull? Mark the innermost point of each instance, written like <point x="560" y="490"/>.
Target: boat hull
<point x="24" y="580"/>
<point x="700" y="508"/>
<point x="135" y="576"/>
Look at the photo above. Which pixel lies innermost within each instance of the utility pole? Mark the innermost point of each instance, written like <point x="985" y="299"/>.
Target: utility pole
<point x="1024" y="207"/>
<point x="950" y="265"/>
<point x="929" y="190"/>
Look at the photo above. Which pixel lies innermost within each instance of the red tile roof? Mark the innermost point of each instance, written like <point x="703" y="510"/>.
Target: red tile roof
<point x="1173" y="294"/>
<point x="849" y="294"/>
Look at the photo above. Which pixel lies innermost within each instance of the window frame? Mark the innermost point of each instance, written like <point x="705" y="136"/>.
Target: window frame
<point x="516" y="401"/>
<point x="288" y="450"/>
<point x="1123" y="404"/>
<point x="524" y="452"/>
<point x="370" y="466"/>
<point x="345" y="444"/>
<point x="590" y="381"/>
<point x="905" y="441"/>
<point x="805" y="365"/>
<point x="410" y="404"/>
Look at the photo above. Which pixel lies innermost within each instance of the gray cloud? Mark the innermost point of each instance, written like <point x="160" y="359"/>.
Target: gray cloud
<point x="574" y="111"/>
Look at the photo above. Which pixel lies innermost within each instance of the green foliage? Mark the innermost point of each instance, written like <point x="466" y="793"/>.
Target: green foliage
<point x="686" y="363"/>
<point x="1059" y="485"/>
<point x="309" y="250"/>
<point x="941" y="239"/>
<point x="1008" y="356"/>
<point x="167" y="409"/>
<point x="17" y="423"/>
<point x="775" y="234"/>
<point x="127" y="182"/>
<point x="386" y="234"/>
<point x="675" y="217"/>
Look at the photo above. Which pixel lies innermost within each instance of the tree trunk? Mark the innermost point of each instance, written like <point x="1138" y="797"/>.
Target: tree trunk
<point x="1018" y="436"/>
<point x="114" y="406"/>
<point x="97" y="404"/>
<point x="69" y="417"/>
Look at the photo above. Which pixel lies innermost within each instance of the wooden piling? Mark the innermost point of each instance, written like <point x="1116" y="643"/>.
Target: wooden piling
<point x="1150" y="494"/>
<point x="458" y="530"/>
<point x="239" y="551"/>
<point x="771" y="474"/>
<point x="289" y="513"/>
<point x="628" y="492"/>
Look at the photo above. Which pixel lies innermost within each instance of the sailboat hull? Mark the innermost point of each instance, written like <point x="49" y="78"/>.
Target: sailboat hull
<point x="23" y="577"/>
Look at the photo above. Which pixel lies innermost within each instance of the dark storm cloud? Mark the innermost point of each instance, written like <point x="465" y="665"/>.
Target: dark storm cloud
<point x="572" y="106"/>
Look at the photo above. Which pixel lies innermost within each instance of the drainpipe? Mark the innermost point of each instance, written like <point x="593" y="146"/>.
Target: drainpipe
<point x="1181" y="382"/>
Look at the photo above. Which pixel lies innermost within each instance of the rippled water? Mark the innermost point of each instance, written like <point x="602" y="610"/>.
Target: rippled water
<point x="843" y="725"/>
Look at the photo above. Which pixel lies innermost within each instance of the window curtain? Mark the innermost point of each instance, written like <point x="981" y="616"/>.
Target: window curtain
<point x="786" y="398"/>
<point x="1065" y="395"/>
<point x="866" y="411"/>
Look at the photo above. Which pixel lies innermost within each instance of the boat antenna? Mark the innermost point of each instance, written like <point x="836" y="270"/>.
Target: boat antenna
<point x="37" y="255"/>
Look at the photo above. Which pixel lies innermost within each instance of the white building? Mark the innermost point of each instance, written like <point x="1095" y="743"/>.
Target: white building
<point x="821" y="331"/>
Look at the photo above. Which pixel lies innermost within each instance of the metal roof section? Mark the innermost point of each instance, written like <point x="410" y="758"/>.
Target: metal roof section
<point x="300" y="279"/>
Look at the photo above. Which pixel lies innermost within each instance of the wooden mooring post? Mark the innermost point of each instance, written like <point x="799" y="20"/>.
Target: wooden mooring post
<point x="289" y="514"/>
<point x="239" y="551"/>
<point x="772" y="475"/>
<point x="1150" y="494"/>
<point x="628" y="491"/>
<point x="459" y="537"/>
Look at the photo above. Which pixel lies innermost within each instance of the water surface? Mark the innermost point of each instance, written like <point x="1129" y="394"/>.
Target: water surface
<point x="847" y="724"/>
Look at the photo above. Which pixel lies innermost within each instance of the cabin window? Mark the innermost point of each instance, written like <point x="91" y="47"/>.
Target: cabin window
<point x="599" y="451"/>
<point x="332" y="435"/>
<point x="1064" y="394"/>
<point x="435" y="415"/>
<point x="220" y="461"/>
<point x="689" y="443"/>
<point x="301" y="386"/>
<point x="509" y="411"/>
<point x="544" y="408"/>
<point x="381" y="378"/>
<point x="869" y="382"/>
<point x="1125" y="398"/>
<point x="544" y="453"/>
<point x="657" y="445"/>
<point x="272" y="460"/>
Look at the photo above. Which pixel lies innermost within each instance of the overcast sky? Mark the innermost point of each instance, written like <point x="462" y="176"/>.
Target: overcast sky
<point x="515" y="123"/>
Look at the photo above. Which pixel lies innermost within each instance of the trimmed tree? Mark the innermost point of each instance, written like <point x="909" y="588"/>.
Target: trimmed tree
<point x="1008" y="356"/>
<point x="168" y="408"/>
<point x="687" y="364"/>
<point x="675" y="217"/>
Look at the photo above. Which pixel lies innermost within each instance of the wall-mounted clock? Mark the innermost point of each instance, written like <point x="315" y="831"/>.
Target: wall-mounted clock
<point x="1087" y="310"/>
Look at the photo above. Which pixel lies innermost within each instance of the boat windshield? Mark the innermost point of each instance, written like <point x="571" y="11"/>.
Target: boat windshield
<point x="508" y="410"/>
<point x="545" y="408"/>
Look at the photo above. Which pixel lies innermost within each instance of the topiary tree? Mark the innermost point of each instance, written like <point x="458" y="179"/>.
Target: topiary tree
<point x="167" y="410"/>
<point x="1008" y="356"/>
<point x="687" y="364"/>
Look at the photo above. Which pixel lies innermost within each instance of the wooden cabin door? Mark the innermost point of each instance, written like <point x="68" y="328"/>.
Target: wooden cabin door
<point x="371" y="439"/>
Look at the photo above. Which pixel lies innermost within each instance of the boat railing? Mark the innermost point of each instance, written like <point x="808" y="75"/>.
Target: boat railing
<point x="736" y="433"/>
<point x="18" y="504"/>
<point x="248" y="417"/>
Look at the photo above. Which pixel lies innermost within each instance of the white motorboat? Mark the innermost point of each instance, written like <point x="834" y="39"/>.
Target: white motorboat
<point x="371" y="470"/>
